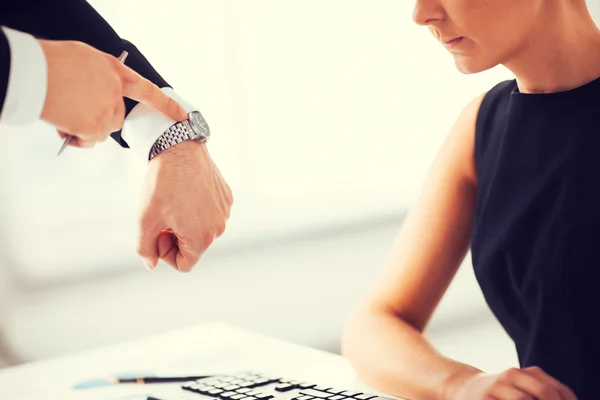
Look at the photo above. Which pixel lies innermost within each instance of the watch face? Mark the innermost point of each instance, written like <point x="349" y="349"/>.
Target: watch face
<point x="198" y="124"/>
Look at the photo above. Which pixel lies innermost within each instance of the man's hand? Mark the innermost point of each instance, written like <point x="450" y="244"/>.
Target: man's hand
<point x="86" y="89"/>
<point x="185" y="205"/>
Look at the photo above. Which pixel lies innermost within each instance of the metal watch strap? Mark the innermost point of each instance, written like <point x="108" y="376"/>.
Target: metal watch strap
<point x="176" y="133"/>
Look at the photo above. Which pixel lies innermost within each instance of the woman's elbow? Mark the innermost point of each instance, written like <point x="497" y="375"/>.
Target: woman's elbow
<point x="354" y="335"/>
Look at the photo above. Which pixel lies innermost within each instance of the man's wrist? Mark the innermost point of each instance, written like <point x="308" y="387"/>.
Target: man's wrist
<point x="181" y="150"/>
<point x="194" y="128"/>
<point x="144" y="125"/>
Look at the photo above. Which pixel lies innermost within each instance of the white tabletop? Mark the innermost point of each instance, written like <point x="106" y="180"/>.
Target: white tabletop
<point x="204" y="349"/>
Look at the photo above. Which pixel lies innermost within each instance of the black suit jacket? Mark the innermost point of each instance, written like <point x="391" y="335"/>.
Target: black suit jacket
<point x="68" y="20"/>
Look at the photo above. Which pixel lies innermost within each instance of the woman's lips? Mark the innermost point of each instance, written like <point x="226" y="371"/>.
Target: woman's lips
<point x="452" y="43"/>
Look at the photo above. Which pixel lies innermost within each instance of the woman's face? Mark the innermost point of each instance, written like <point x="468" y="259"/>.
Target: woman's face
<point x="480" y="34"/>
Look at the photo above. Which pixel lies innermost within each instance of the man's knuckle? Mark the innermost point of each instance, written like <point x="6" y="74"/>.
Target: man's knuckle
<point x="78" y="45"/>
<point x="198" y="248"/>
<point x="187" y="265"/>
<point x="200" y="245"/>
<point x="171" y="104"/>
<point x="208" y="238"/>
<point x="141" y="250"/>
<point x="194" y="246"/>
<point x="113" y="61"/>
<point x="534" y="368"/>
<point x="148" y="89"/>
<point x="510" y="374"/>
<point x="546" y="391"/>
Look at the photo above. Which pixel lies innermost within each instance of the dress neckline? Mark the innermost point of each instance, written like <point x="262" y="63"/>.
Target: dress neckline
<point x="588" y="87"/>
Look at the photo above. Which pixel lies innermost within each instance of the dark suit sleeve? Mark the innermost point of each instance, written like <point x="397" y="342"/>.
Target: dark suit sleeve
<point x="4" y="67"/>
<point x="71" y="20"/>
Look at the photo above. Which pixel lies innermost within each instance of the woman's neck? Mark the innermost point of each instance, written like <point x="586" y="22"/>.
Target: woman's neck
<point x="561" y="53"/>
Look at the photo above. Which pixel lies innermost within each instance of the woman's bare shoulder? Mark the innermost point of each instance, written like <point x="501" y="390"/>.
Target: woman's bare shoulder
<point x="461" y="138"/>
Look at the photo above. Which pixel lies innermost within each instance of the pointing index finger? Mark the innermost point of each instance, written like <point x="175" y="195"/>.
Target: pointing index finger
<point x="138" y="88"/>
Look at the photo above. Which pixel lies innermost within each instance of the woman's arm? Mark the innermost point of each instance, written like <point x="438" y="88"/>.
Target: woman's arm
<point x="383" y="340"/>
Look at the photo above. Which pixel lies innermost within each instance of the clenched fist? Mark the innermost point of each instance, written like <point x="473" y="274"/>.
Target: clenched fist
<point x="185" y="206"/>
<point x="86" y="89"/>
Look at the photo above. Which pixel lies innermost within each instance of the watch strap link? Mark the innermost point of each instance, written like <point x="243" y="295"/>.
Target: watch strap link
<point x="177" y="133"/>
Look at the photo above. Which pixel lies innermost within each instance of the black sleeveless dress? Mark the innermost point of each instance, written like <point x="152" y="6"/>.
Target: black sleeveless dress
<point x="536" y="235"/>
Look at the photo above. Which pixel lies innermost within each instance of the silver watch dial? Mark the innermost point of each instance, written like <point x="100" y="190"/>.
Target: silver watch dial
<point x="198" y="123"/>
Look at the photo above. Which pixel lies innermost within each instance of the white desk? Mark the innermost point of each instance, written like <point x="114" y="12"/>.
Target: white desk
<point x="204" y="349"/>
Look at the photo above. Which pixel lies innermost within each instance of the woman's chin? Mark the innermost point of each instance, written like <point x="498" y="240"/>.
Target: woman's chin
<point x="469" y="65"/>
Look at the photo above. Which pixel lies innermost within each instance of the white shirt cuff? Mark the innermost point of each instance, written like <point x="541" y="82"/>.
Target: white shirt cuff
<point x="144" y="125"/>
<point x="27" y="80"/>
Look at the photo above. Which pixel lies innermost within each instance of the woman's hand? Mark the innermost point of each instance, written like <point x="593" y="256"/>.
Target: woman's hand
<point x="513" y="384"/>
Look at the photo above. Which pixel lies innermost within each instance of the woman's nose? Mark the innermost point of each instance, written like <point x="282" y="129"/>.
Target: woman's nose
<point x="427" y="12"/>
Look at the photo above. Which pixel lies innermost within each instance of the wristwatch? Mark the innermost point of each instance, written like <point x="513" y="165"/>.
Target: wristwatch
<point x="193" y="128"/>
